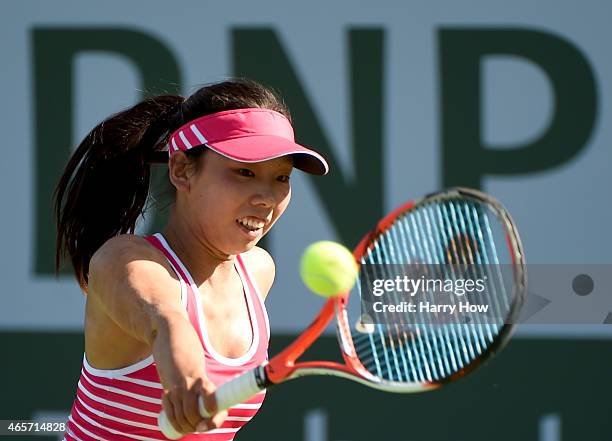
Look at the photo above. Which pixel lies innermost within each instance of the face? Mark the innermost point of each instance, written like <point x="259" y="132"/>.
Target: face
<point x="230" y="205"/>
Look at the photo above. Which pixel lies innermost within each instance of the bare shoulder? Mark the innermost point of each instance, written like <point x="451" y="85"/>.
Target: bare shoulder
<point x="124" y="248"/>
<point x="127" y="259"/>
<point x="261" y="266"/>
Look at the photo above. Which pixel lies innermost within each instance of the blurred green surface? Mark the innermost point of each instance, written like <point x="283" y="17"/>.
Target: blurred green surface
<point x="566" y="381"/>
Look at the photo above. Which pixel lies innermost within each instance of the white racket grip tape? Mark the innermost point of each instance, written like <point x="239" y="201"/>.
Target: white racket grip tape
<point x="233" y="392"/>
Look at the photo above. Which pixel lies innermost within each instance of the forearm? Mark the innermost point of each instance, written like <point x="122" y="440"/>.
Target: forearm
<point x="179" y="357"/>
<point x="177" y="351"/>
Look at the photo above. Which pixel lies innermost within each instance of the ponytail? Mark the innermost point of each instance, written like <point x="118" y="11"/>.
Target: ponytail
<point x="104" y="187"/>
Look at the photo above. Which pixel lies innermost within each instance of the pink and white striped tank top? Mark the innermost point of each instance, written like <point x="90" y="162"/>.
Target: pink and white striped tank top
<point x="123" y="404"/>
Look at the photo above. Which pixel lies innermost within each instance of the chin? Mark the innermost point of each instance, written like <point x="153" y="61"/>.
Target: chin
<point x="236" y="249"/>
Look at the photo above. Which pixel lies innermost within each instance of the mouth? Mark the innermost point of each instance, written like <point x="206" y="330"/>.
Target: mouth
<point x="252" y="224"/>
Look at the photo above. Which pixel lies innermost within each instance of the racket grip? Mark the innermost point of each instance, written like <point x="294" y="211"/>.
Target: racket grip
<point x="233" y="392"/>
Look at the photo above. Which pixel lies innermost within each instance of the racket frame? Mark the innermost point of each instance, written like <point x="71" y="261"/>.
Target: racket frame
<point x="520" y="286"/>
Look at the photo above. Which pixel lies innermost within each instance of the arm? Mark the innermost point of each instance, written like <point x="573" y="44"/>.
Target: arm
<point x="130" y="282"/>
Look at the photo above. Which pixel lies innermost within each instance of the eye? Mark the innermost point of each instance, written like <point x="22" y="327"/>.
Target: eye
<point x="284" y="179"/>
<point x="245" y="172"/>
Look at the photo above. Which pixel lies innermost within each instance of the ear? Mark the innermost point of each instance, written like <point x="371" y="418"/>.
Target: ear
<point x="180" y="171"/>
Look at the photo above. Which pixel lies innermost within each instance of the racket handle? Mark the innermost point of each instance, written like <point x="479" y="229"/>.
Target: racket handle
<point x="233" y="392"/>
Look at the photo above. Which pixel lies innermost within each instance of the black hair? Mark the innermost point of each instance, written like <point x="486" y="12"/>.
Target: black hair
<point x="104" y="187"/>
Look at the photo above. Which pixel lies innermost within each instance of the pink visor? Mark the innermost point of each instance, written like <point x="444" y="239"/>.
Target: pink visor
<point x="247" y="135"/>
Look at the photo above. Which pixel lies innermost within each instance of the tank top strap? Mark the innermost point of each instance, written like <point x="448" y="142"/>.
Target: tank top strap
<point x="257" y="310"/>
<point x="188" y="296"/>
<point x="256" y="297"/>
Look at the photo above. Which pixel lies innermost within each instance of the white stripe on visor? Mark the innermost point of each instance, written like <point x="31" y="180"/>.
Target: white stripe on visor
<point x="198" y="134"/>
<point x="185" y="140"/>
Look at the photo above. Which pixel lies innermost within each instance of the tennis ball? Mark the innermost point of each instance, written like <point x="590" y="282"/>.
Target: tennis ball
<point x="328" y="268"/>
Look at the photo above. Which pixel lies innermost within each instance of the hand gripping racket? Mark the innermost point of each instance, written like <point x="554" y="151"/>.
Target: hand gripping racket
<point x="462" y="233"/>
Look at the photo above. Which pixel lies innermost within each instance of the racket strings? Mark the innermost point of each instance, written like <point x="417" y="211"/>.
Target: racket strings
<point x="413" y="228"/>
<point x="387" y="254"/>
<point x="461" y="264"/>
<point x="450" y="239"/>
<point x="435" y="254"/>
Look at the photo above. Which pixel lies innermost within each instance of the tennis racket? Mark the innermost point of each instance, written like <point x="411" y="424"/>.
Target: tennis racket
<point x="461" y="233"/>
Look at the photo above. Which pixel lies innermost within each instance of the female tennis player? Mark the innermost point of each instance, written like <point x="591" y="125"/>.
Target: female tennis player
<point x="171" y="316"/>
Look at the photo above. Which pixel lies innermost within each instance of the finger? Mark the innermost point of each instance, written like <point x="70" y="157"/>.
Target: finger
<point x="218" y="419"/>
<point x="207" y="395"/>
<point x="190" y="410"/>
<point x="169" y="409"/>
<point x="203" y="426"/>
<point x="210" y="402"/>
<point x="182" y="425"/>
<point x="214" y="422"/>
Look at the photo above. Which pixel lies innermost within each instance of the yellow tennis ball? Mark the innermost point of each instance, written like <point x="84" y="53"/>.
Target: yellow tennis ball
<point x="328" y="268"/>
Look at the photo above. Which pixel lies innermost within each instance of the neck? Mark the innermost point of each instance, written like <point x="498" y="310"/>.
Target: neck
<point x="199" y="256"/>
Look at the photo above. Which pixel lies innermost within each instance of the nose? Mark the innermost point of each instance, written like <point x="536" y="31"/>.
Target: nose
<point x="264" y="197"/>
